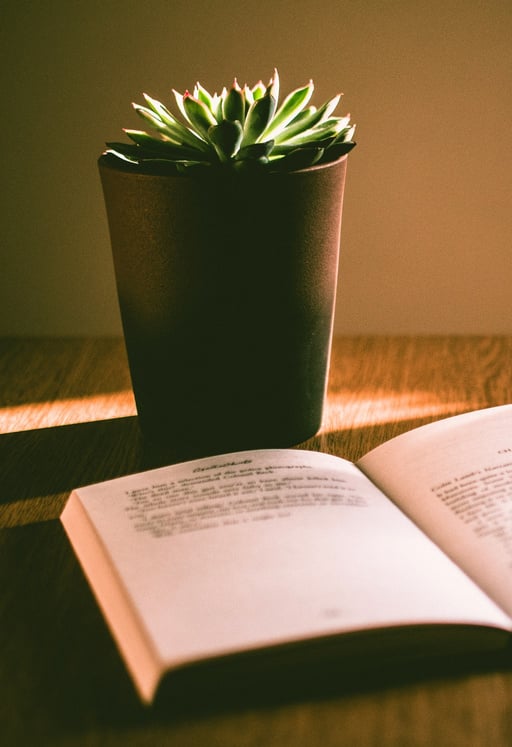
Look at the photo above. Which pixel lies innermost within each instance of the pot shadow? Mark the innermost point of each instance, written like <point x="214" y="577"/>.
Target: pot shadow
<point x="55" y="460"/>
<point x="48" y="461"/>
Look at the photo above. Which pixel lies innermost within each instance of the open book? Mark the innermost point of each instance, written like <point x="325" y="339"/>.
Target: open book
<point x="267" y="549"/>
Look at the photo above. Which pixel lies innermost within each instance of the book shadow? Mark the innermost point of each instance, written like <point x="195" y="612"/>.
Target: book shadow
<point x="66" y="676"/>
<point x="316" y="673"/>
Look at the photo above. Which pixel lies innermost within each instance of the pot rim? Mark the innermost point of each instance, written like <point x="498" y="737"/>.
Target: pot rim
<point x="114" y="164"/>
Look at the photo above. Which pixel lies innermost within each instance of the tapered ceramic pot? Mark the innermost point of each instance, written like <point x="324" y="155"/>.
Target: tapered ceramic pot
<point x="226" y="288"/>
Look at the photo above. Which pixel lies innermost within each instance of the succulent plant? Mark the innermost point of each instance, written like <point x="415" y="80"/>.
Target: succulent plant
<point x="240" y="129"/>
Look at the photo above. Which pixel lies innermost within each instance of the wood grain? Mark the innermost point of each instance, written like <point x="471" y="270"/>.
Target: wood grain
<point x="67" y="417"/>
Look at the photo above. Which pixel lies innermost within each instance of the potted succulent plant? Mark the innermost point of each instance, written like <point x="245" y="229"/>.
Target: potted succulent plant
<point x="225" y="228"/>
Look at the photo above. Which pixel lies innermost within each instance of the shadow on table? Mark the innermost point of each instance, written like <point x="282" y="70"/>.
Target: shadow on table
<point x="61" y="675"/>
<point x="53" y="460"/>
<point x="47" y="461"/>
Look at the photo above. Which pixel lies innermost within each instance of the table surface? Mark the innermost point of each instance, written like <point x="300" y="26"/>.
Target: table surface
<point x="68" y="418"/>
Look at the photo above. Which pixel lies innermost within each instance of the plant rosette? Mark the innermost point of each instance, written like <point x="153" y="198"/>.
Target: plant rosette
<point x="241" y="128"/>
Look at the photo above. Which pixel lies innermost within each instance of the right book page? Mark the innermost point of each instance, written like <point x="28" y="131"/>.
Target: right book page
<point x="454" y="479"/>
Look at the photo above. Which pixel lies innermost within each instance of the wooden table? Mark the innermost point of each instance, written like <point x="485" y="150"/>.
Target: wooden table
<point x="67" y="417"/>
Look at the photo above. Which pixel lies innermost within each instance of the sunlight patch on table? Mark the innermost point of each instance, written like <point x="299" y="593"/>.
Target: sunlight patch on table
<point x="32" y="510"/>
<point x="67" y="411"/>
<point x="367" y="408"/>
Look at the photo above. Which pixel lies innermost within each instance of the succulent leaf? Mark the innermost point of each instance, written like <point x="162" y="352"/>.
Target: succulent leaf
<point x="179" y="101"/>
<point x="226" y="138"/>
<point x="233" y="104"/>
<point x="255" y="150"/>
<point x="336" y="150"/>
<point x="307" y="119"/>
<point x="301" y="158"/>
<point x="175" y="131"/>
<point x="202" y="94"/>
<point x="259" y="115"/>
<point x="151" y="118"/>
<point x="124" y="151"/>
<point x="160" y="110"/>
<point x="293" y="104"/>
<point x="198" y="114"/>
<point x="242" y="128"/>
<point x="164" y="148"/>
<point x="249" y="95"/>
<point x="274" y="85"/>
<point x="256" y="92"/>
<point x="216" y="107"/>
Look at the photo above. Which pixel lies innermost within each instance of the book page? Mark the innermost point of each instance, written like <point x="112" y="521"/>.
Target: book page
<point x="454" y="478"/>
<point x="258" y="548"/>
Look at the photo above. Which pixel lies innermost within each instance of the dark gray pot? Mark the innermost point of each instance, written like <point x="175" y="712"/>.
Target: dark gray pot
<point x="226" y="288"/>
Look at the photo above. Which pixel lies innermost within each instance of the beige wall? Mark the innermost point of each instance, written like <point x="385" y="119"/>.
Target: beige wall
<point x="427" y="229"/>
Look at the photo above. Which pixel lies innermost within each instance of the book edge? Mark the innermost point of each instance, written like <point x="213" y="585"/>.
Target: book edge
<point x="141" y="659"/>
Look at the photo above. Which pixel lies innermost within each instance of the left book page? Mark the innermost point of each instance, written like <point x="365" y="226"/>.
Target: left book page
<point x="252" y="550"/>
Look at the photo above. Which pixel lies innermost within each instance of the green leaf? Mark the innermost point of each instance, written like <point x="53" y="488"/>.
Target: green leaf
<point x="300" y="158"/>
<point x="333" y="127"/>
<point x="165" y="148"/>
<point x="284" y="149"/>
<point x="217" y="103"/>
<point x="160" y="110"/>
<point x="123" y="151"/>
<point x="233" y="105"/>
<point x="336" y="150"/>
<point x="179" y="101"/>
<point x="330" y="129"/>
<point x="302" y="116"/>
<point x="202" y="94"/>
<point x="256" y="92"/>
<point x="226" y="138"/>
<point x="168" y="125"/>
<point x="306" y="120"/>
<point x="149" y="116"/>
<point x="173" y="129"/>
<point x="291" y="106"/>
<point x="249" y="95"/>
<point x="136" y="155"/>
<point x="142" y="138"/>
<point x="346" y="135"/>
<point x="274" y="85"/>
<point x="259" y="115"/>
<point x="198" y="114"/>
<point x="255" y="151"/>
